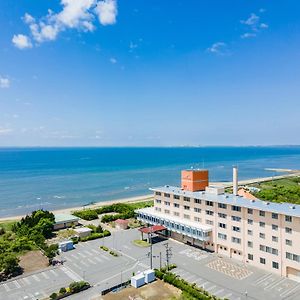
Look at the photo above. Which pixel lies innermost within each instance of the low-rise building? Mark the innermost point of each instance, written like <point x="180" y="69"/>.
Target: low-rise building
<point x="65" y="221"/>
<point x="121" y="224"/>
<point x="83" y="231"/>
<point x="255" y="232"/>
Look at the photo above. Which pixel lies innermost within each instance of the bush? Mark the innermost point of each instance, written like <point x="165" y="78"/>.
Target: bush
<point x="53" y="296"/>
<point x="104" y="248"/>
<point x="77" y="286"/>
<point x="62" y="290"/>
<point x="95" y="235"/>
<point x="87" y="214"/>
<point x="113" y="253"/>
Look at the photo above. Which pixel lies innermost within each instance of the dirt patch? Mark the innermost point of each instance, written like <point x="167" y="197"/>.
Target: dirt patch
<point x="33" y="261"/>
<point x="153" y="291"/>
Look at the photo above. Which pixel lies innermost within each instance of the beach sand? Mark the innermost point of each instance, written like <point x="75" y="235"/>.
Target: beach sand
<point x="95" y="205"/>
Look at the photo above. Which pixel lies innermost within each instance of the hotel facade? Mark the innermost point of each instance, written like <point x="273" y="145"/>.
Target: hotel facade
<point x="255" y="232"/>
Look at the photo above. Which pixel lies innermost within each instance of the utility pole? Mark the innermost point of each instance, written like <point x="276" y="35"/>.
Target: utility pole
<point x="160" y="260"/>
<point x="151" y="255"/>
<point x="168" y="254"/>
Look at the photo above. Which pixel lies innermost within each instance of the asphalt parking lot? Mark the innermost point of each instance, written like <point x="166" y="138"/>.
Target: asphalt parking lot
<point x="219" y="276"/>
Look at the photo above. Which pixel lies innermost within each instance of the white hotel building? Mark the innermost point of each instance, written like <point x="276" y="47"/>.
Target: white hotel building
<point x="260" y="233"/>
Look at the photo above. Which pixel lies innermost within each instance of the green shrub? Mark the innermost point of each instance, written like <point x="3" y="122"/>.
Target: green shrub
<point x="62" y="290"/>
<point x="77" y="286"/>
<point x="87" y="214"/>
<point x="104" y="248"/>
<point x="113" y="253"/>
<point x="53" y="296"/>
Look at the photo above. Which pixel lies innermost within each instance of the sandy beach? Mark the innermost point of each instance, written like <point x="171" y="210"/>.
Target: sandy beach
<point x="150" y="196"/>
<point x="95" y="205"/>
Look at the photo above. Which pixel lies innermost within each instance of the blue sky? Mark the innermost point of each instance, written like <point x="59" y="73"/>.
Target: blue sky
<point x="149" y="73"/>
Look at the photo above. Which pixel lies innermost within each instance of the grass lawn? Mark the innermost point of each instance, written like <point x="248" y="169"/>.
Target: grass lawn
<point x="281" y="190"/>
<point x="141" y="243"/>
<point x="7" y="225"/>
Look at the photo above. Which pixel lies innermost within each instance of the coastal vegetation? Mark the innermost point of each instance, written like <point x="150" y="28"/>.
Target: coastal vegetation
<point x="30" y="233"/>
<point x="280" y="190"/>
<point x="112" y="212"/>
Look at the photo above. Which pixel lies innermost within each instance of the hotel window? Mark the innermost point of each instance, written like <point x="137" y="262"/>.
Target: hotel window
<point x="222" y="236"/>
<point x="274" y="238"/>
<point x="262" y="235"/>
<point x="167" y="195"/>
<point x="288" y="218"/>
<point x="209" y="222"/>
<point x="250" y="211"/>
<point x="288" y="230"/>
<point x="288" y="242"/>
<point x="158" y="193"/>
<point x="262" y="260"/>
<point x="176" y="205"/>
<point x="198" y="201"/>
<point x="235" y="218"/>
<point x="274" y="216"/>
<point x="176" y="213"/>
<point x="186" y="216"/>
<point x="292" y="256"/>
<point x="274" y="227"/>
<point x="197" y="219"/>
<point x="158" y="208"/>
<point x="176" y="197"/>
<point x="222" y="205"/>
<point x="197" y="210"/>
<point x="275" y="265"/>
<point x="235" y="228"/>
<point x="262" y="224"/>
<point x="167" y="203"/>
<point x="167" y="211"/>
<point x="209" y="203"/>
<point x="250" y="256"/>
<point x="209" y="212"/>
<point x="223" y="216"/>
<point x="250" y="222"/>
<point x="250" y="244"/>
<point x="262" y="213"/>
<point x="250" y="232"/>
<point x="187" y="199"/>
<point x="222" y="225"/>
<point x="186" y="207"/>
<point x="158" y="201"/>
<point x="235" y="208"/>
<point x="236" y="240"/>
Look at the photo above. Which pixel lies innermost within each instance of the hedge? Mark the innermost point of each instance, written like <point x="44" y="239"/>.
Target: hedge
<point x="74" y="287"/>
<point x="94" y="236"/>
<point x="191" y="289"/>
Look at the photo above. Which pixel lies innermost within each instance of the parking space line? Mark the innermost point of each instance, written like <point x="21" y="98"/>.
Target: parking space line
<point x="26" y="280"/>
<point x="218" y="292"/>
<point x="17" y="284"/>
<point x="273" y="284"/>
<point x="36" y="278"/>
<point x="211" y="288"/>
<point x="95" y="251"/>
<point x="98" y="259"/>
<point x="262" y="279"/>
<point x="91" y="261"/>
<point x="188" y="278"/>
<point x="288" y="292"/>
<point x="45" y="275"/>
<point x="227" y="296"/>
<point x="71" y="274"/>
<point x="103" y="256"/>
<point x="88" y="253"/>
<point x="82" y="255"/>
<point x="54" y="273"/>
<point x="84" y="263"/>
<point x="7" y="288"/>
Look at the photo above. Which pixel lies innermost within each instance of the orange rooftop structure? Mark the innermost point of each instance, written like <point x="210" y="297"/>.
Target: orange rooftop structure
<point x="194" y="180"/>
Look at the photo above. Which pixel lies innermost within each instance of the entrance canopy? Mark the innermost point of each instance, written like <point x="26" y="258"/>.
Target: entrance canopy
<point x="152" y="229"/>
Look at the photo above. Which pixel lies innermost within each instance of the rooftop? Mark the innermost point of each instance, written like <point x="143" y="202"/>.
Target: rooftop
<point x="83" y="229"/>
<point x="65" y="218"/>
<point x="230" y="199"/>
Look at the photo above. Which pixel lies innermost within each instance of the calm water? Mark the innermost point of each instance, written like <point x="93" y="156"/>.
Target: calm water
<point x="64" y="177"/>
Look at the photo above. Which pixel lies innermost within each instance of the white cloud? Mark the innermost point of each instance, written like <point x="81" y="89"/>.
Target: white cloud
<point x="218" y="48"/>
<point x="4" y="82"/>
<point x="113" y="60"/>
<point x="248" y="35"/>
<point x="75" y="14"/>
<point x="252" y="20"/>
<point x="5" y="131"/>
<point x="264" y="25"/>
<point x="107" y="12"/>
<point x="21" y="41"/>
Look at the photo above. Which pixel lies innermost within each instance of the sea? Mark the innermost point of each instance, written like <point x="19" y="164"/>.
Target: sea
<point x="58" y="178"/>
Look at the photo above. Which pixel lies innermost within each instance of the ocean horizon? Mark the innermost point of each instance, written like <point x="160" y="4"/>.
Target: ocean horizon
<point x="62" y="177"/>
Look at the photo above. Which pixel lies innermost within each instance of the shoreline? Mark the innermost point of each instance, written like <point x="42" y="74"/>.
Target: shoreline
<point x="69" y="210"/>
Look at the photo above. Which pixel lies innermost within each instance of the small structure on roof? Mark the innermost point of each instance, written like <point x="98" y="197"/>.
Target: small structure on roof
<point x="138" y="280"/>
<point x="121" y="224"/>
<point x="83" y="231"/>
<point x="64" y="221"/>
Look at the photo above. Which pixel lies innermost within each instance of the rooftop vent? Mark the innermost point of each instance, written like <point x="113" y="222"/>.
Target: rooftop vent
<point x="293" y="207"/>
<point x="268" y="203"/>
<point x="252" y="200"/>
<point x="226" y="196"/>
